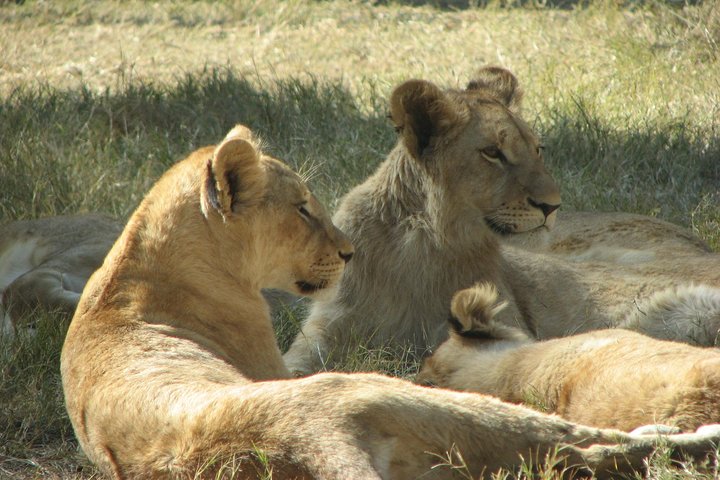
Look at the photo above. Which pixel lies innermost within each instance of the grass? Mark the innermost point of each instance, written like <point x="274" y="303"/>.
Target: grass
<point x="628" y="108"/>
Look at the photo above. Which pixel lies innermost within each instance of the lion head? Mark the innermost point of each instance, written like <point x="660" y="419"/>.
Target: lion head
<point x="466" y="166"/>
<point x="475" y="144"/>
<point x="302" y="251"/>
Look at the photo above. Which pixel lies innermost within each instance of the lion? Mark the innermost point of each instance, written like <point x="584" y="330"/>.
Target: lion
<point x="46" y="262"/>
<point x="466" y="168"/>
<point x="615" y="237"/>
<point x="612" y="378"/>
<point x="170" y="368"/>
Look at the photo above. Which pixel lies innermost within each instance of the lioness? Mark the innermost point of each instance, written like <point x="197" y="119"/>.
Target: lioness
<point x="466" y="167"/>
<point x="170" y="365"/>
<point x="46" y="262"/>
<point x="615" y="237"/>
<point x="606" y="378"/>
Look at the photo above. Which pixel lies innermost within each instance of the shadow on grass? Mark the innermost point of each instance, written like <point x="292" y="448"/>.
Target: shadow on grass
<point x="69" y="151"/>
<point x="668" y="169"/>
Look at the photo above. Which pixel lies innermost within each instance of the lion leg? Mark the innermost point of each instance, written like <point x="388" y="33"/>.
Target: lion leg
<point x="688" y="314"/>
<point x="332" y="426"/>
<point x="655" y="429"/>
<point x="43" y="287"/>
<point x="422" y="428"/>
<point x="311" y="351"/>
<point x="607" y="461"/>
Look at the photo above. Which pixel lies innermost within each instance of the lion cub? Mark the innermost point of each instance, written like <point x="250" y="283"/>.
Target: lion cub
<point x="607" y="378"/>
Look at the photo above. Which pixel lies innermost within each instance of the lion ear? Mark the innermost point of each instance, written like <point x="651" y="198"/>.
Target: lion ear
<point x="421" y="111"/>
<point x="474" y="308"/>
<point x="500" y="84"/>
<point x="234" y="178"/>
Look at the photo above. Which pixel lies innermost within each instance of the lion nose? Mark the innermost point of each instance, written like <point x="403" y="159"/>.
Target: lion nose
<point x="546" y="208"/>
<point x="346" y="256"/>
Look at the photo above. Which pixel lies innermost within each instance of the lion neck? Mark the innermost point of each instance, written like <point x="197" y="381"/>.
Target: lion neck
<point x="170" y="265"/>
<point x="407" y="194"/>
<point x="428" y="246"/>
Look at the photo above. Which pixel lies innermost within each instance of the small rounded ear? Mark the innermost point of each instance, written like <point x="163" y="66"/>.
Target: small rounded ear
<point x="421" y="111"/>
<point x="500" y="84"/>
<point x="242" y="132"/>
<point x="234" y="178"/>
<point x="475" y="308"/>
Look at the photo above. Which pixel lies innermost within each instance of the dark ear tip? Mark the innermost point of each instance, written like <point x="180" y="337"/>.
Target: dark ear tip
<point x="455" y="324"/>
<point x="473" y="85"/>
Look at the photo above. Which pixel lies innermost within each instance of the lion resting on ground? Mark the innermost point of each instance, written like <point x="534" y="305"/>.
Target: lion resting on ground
<point x="606" y="378"/>
<point x="46" y="262"/>
<point x="170" y="366"/>
<point x="465" y="168"/>
<point x="616" y="237"/>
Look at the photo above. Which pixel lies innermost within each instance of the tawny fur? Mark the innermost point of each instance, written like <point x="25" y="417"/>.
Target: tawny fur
<point x="615" y="237"/>
<point x="170" y="361"/>
<point x="606" y="378"/>
<point x="465" y="169"/>
<point x="45" y="263"/>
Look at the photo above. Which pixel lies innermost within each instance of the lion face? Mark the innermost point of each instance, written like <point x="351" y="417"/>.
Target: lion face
<point x="300" y="249"/>
<point x="477" y="148"/>
<point x="306" y="227"/>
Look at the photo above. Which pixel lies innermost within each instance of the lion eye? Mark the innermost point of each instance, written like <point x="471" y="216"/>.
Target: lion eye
<point x="493" y="154"/>
<point x="304" y="211"/>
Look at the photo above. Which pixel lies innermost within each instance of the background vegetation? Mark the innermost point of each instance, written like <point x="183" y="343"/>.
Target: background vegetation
<point x="98" y="98"/>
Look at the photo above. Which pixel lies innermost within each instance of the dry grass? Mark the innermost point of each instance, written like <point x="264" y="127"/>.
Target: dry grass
<point x="98" y="98"/>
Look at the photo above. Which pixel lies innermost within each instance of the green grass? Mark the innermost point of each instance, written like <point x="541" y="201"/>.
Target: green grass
<point x="36" y="438"/>
<point x="629" y="112"/>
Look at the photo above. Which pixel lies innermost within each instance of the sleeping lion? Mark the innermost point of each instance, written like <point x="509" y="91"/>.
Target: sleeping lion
<point x="607" y="378"/>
